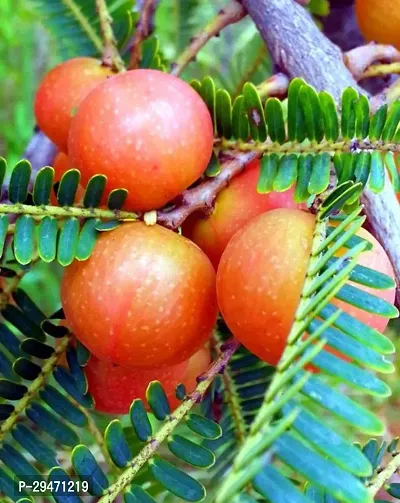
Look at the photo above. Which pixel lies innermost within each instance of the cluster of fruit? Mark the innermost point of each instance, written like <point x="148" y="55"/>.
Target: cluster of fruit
<point x="146" y="302"/>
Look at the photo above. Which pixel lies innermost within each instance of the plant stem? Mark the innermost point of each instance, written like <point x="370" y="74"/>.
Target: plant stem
<point x="381" y="70"/>
<point x="230" y="14"/>
<point x="84" y="23"/>
<point x="33" y="388"/>
<point x="143" y="30"/>
<point x="155" y="442"/>
<point x="111" y="56"/>
<point x="70" y="211"/>
<point x="379" y="480"/>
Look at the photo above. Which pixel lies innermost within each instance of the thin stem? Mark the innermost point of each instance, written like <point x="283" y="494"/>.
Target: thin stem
<point x="70" y="211"/>
<point x="154" y="444"/>
<point x="111" y="56"/>
<point x="143" y="30"/>
<point x="379" y="480"/>
<point x="84" y="23"/>
<point x="33" y="388"/>
<point x="230" y="14"/>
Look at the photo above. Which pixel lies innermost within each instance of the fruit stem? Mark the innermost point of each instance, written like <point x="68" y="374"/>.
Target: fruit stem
<point x="230" y="14"/>
<point x="111" y="56"/>
<point x="125" y="479"/>
<point x="144" y="28"/>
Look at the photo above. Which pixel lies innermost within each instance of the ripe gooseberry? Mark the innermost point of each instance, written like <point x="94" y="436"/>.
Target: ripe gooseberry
<point x="234" y="207"/>
<point x="114" y="387"/>
<point x="60" y="93"/>
<point x="147" y="131"/>
<point x="379" y="21"/>
<point x="145" y="298"/>
<point x="262" y="273"/>
<point x="61" y="164"/>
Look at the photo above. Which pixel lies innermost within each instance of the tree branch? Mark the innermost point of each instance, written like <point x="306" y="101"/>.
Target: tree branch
<point x="230" y="14"/>
<point x="144" y="28"/>
<point x="202" y="197"/>
<point x="299" y="47"/>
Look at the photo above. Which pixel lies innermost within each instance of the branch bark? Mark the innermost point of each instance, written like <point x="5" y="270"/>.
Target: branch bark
<point x="301" y="49"/>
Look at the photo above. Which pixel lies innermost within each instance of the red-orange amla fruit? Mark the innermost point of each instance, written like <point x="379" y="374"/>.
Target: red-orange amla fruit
<point x="262" y="273"/>
<point x="145" y="298"/>
<point x="234" y="207"/>
<point x="61" y="92"/>
<point x="114" y="387"/>
<point x="147" y="131"/>
<point x="61" y="164"/>
<point x="379" y="20"/>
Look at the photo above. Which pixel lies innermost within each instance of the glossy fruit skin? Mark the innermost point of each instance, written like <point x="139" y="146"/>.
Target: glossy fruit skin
<point x="114" y="387"/>
<point x="60" y="93"/>
<point x="61" y="164"/>
<point x="379" y="21"/>
<point x="261" y="276"/>
<point x="145" y="298"/>
<point x="148" y="132"/>
<point x="234" y="207"/>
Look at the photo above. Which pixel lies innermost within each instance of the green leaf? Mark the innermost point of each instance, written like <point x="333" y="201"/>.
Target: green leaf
<point x="349" y="98"/>
<point x="138" y="495"/>
<point x="24" y="239"/>
<point x="60" y="496"/>
<point x="203" y="426"/>
<point x="3" y="170"/>
<point x="19" y="182"/>
<point x="214" y="166"/>
<point x="311" y="106"/>
<point x="117" y="445"/>
<point x="94" y="191"/>
<point x="176" y="481"/>
<point x="255" y="112"/>
<point x="330" y="116"/>
<point x="287" y="173"/>
<point x="43" y="186"/>
<point x="317" y="469"/>
<point x="223" y="114"/>
<point x="117" y="198"/>
<point x="47" y="238"/>
<point x="140" y="420"/>
<point x="157" y="400"/>
<point x="320" y="174"/>
<point x="11" y="390"/>
<point x="62" y="406"/>
<point x="268" y="172"/>
<point x="68" y="241"/>
<point x="52" y="424"/>
<point x="377" y="177"/>
<point x="275" y="120"/>
<point x="367" y="302"/>
<point x="87" y="239"/>
<point x="106" y="226"/>
<point x="4" y="223"/>
<point x="296" y="120"/>
<point x="36" y="348"/>
<point x="338" y="198"/>
<point x="68" y="187"/>
<point x="392" y="122"/>
<point x="240" y="121"/>
<point x="362" y="167"/>
<point x="377" y="123"/>
<point x="190" y="452"/>
<point x="275" y="487"/>
<point x="32" y="444"/>
<point x="208" y="93"/>
<point x="392" y="168"/>
<point x="362" y="116"/>
<point x="305" y="166"/>
<point x="26" y="369"/>
<point x="87" y="469"/>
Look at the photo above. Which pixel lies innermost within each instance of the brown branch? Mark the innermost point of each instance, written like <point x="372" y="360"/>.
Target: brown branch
<point x="111" y="56"/>
<point x="299" y="47"/>
<point x="202" y="197"/>
<point x="230" y="14"/>
<point x="359" y="59"/>
<point x="144" y="28"/>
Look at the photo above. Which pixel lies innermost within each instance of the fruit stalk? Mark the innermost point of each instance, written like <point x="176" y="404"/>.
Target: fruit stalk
<point x="144" y="28"/>
<point x="298" y="46"/>
<point x="111" y="55"/>
<point x="227" y="350"/>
